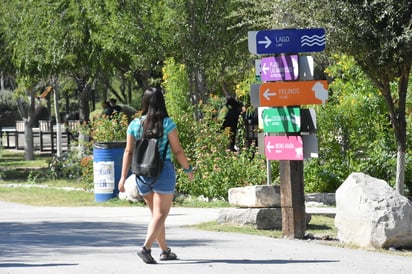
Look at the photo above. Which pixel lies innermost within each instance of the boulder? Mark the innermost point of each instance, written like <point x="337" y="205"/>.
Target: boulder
<point x="370" y="213"/>
<point x="261" y="196"/>
<point x="131" y="193"/>
<point x="260" y="218"/>
<point x="320" y="198"/>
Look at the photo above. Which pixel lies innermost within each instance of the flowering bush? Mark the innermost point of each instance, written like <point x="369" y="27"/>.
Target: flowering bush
<point x="217" y="168"/>
<point x="109" y="129"/>
<point x="205" y="143"/>
<point x="86" y="166"/>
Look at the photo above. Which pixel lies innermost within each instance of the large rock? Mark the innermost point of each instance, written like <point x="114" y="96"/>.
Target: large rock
<point x="320" y="198"/>
<point x="369" y="213"/>
<point x="261" y="196"/>
<point x="260" y="218"/>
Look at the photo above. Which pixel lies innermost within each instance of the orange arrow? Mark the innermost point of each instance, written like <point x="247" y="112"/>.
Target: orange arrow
<point x="293" y="93"/>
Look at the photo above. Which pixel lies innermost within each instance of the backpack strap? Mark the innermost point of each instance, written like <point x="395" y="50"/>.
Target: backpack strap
<point x="165" y="151"/>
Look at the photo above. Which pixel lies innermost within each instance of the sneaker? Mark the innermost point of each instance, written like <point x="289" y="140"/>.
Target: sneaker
<point x="146" y="256"/>
<point x="168" y="255"/>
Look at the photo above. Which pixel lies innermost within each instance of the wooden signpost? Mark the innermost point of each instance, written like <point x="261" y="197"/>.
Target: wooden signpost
<point x="280" y="97"/>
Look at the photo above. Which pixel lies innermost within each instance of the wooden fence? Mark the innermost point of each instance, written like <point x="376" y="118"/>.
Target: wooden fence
<point x="44" y="137"/>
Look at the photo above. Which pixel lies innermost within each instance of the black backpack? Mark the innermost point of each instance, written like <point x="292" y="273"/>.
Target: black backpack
<point x="146" y="159"/>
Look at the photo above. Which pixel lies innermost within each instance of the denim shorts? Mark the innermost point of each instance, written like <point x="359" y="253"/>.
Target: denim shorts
<point x="164" y="184"/>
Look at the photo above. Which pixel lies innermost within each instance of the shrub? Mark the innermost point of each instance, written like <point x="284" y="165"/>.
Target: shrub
<point x="66" y="166"/>
<point x="205" y="143"/>
<point x="353" y="130"/>
<point x="108" y="129"/>
<point x="217" y="168"/>
<point x="86" y="169"/>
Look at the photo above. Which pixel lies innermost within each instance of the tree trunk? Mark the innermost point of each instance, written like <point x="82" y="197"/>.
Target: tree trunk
<point x="58" y="123"/>
<point x="28" y="128"/>
<point x="84" y="111"/>
<point x="402" y="128"/>
<point x="84" y="98"/>
<point x="400" y="172"/>
<point x="200" y="84"/>
<point x="397" y="113"/>
<point x="1" y="80"/>
<point x="93" y="95"/>
<point x="28" y="140"/>
<point x="129" y="92"/>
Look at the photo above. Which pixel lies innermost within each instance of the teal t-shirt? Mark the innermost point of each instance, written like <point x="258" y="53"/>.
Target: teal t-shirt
<point x="168" y="125"/>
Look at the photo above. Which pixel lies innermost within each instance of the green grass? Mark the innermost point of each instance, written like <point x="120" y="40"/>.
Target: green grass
<point x="15" y="159"/>
<point x="56" y="197"/>
<point x="13" y="166"/>
<point x="45" y="196"/>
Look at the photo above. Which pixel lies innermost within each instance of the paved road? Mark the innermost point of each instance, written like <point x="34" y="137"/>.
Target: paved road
<point x="104" y="240"/>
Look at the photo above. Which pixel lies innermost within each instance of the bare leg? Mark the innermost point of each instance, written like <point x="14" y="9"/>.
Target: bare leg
<point x="159" y="205"/>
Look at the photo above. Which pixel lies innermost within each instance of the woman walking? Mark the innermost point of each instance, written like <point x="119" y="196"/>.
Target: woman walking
<point x="158" y="194"/>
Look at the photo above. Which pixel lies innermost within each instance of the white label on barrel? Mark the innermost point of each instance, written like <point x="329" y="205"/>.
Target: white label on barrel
<point x="103" y="177"/>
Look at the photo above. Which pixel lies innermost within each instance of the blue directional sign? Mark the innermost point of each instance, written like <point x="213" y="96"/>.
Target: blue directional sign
<point x="286" y="41"/>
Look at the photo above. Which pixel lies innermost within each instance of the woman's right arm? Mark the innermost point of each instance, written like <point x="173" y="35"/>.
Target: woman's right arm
<point x="178" y="152"/>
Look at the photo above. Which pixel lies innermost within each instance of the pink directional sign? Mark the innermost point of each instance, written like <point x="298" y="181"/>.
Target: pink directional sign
<point x="283" y="147"/>
<point x="280" y="68"/>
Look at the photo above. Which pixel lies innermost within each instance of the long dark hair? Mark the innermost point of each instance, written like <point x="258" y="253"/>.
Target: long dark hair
<point x="154" y="107"/>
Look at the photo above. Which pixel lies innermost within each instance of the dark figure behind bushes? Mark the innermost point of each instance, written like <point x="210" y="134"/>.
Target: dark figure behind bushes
<point x="114" y="105"/>
<point x="234" y="108"/>
<point x="107" y="109"/>
<point x="40" y="113"/>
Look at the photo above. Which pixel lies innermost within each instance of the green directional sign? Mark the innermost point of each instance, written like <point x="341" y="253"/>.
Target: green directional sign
<point x="282" y="119"/>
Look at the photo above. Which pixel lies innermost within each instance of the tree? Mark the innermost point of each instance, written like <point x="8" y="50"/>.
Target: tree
<point x="213" y="53"/>
<point x="379" y="35"/>
<point x="24" y="57"/>
<point x="128" y="35"/>
<point x="354" y="133"/>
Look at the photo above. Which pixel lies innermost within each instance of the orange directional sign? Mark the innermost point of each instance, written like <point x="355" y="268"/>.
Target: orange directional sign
<point x="274" y="94"/>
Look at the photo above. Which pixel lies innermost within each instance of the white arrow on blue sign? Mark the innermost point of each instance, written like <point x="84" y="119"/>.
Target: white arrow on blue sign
<point x="286" y="41"/>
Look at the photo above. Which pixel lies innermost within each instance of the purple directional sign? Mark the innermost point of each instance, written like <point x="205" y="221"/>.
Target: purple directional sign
<point x="279" y="68"/>
<point x="286" y="41"/>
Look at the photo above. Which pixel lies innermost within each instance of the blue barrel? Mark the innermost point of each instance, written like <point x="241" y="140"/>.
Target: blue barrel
<point x="107" y="169"/>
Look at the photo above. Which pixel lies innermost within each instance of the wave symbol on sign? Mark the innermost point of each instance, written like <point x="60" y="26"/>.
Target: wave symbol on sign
<point x="314" y="40"/>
